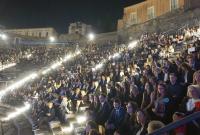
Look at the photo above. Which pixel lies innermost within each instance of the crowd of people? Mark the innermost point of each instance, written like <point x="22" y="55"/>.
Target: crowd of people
<point x="142" y="90"/>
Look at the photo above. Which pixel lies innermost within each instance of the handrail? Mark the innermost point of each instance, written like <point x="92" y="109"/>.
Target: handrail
<point x="176" y="124"/>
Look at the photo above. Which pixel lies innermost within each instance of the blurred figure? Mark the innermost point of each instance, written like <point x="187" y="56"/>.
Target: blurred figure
<point x="155" y="125"/>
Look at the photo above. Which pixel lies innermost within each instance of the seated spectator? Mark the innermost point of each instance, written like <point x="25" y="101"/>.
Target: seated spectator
<point x="182" y="129"/>
<point x="163" y="105"/>
<point x="146" y="96"/>
<point x="116" y="117"/>
<point x="66" y="107"/>
<point x="104" y="110"/>
<point x="129" y="122"/>
<point x="194" y="99"/>
<point x="175" y="90"/>
<point x="142" y="120"/>
<point x="193" y="62"/>
<point x="96" y="104"/>
<point x="155" y="125"/>
<point x="91" y="102"/>
<point x="187" y="75"/>
<point x="135" y="95"/>
<point x="196" y="79"/>
<point x="90" y="125"/>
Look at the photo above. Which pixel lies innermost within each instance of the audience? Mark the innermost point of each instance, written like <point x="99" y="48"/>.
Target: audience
<point x="133" y="94"/>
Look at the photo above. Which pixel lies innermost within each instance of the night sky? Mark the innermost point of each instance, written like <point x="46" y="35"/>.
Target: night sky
<point x="101" y="14"/>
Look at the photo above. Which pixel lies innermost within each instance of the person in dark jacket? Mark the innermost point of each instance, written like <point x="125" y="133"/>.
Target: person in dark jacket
<point x="175" y="89"/>
<point x="187" y="75"/>
<point x="104" y="110"/>
<point x="116" y="117"/>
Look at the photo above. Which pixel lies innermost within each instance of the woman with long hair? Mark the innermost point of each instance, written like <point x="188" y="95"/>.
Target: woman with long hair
<point x="187" y="74"/>
<point x="142" y="120"/>
<point x="128" y="124"/>
<point x="162" y="104"/>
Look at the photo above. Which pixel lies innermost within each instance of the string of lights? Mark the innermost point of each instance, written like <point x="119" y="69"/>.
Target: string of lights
<point x="81" y="119"/>
<point x="17" y="112"/>
<point x="3" y="67"/>
<point x="33" y="76"/>
<point x="116" y="55"/>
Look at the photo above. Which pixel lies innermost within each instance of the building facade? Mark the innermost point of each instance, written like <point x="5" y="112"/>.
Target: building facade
<point x="150" y="9"/>
<point x="34" y="32"/>
<point x="79" y="28"/>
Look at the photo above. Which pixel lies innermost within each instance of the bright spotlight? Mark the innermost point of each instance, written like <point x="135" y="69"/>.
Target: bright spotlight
<point x="81" y="119"/>
<point x="54" y="66"/>
<point x="7" y="66"/>
<point x="68" y="129"/>
<point x="45" y="71"/>
<point x="52" y="39"/>
<point x="33" y="76"/>
<point x="67" y="57"/>
<point x="132" y="44"/>
<point x="17" y="84"/>
<point x="4" y="36"/>
<point x="17" y="112"/>
<point x="91" y="36"/>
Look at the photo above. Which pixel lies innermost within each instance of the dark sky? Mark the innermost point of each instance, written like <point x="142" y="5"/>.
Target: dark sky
<point x="102" y="14"/>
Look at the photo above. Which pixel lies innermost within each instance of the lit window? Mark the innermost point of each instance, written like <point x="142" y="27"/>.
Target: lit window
<point x="133" y="18"/>
<point x="174" y="4"/>
<point x="150" y="13"/>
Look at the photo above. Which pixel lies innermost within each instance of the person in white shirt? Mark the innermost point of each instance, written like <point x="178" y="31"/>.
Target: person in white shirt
<point x="194" y="97"/>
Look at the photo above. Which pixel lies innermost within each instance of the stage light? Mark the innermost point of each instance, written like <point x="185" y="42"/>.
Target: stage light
<point x="132" y="44"/>
<point x="46" y="71"/>
<point x="52" y="39"/>
<point x="4" y="36"/>
<point x="91" y="36"/>
<point x="55" y="65"/>
<point x="7" y="66"/>
<point x="81" y="119"/>
<point x="17" y="112"/>
<point x="17" y="84"/>
<point x="33" y="75"/>
<point x="68" y="57"/>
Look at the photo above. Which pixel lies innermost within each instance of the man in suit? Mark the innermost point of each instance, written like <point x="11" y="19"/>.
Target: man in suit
<point x="193" y="62"/>
<point x="116" y="117"/>
<point x="175" y="89"/>
<point x="104" y="110"/>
